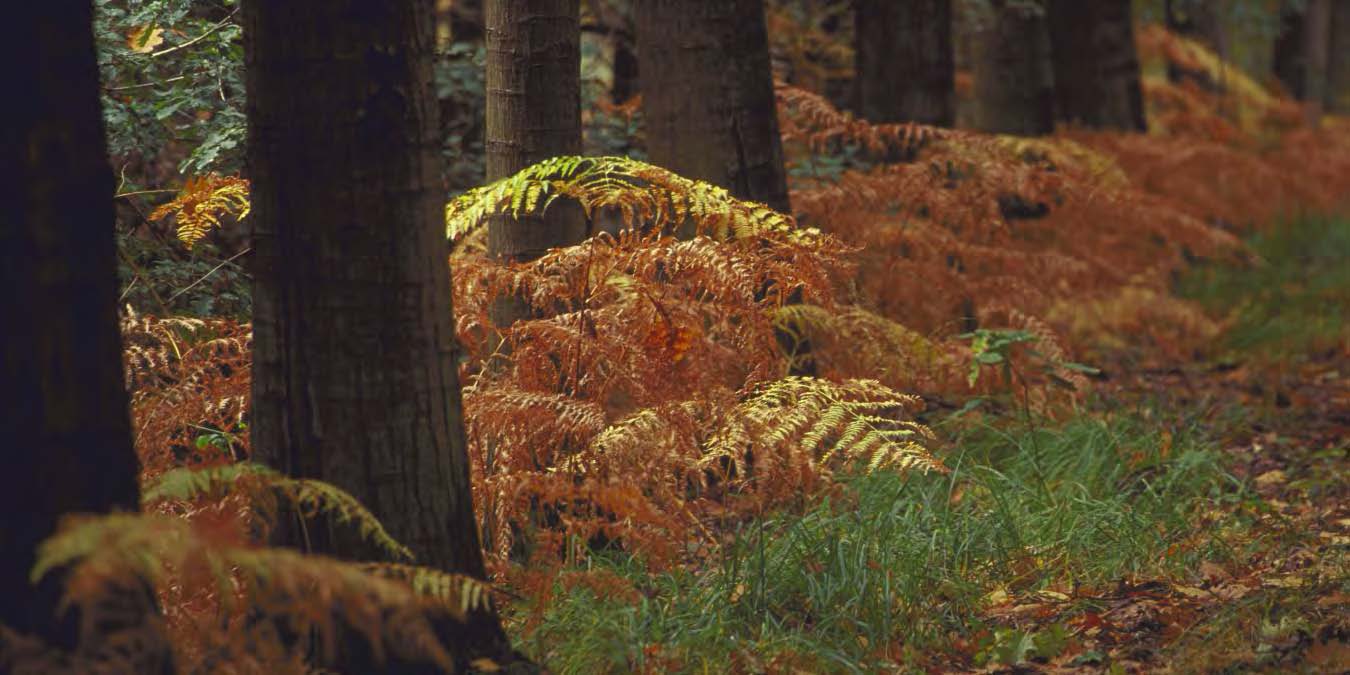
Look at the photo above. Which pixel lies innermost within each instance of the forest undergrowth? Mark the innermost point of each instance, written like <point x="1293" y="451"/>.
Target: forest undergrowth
<point x="980" y="402"/>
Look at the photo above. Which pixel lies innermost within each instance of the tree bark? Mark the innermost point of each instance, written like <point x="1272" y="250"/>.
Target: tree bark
<point x="64" y="424"/>
<point x="904" y="63"/>
<point x="707" y="95"/>
<point x="1289" y="59"/>
<point x="533" y="113"/>
<point x="1096" y="64"/>
<point x="1316" y="42"/>
<point x="355" y="373"/>
<point x="1338" y="62"/>
<point x="1014" y="85"/>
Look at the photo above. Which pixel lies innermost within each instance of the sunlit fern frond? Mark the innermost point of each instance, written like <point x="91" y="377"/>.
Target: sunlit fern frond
<point x="202" y="202"/>
<point x="642" y="195"/>
<point x="852" y="341"/>
<point x="306" y="592"/>
<point x="311" y="498"/>
<point x="815" y="420"/>
<point x="461" y="594"/>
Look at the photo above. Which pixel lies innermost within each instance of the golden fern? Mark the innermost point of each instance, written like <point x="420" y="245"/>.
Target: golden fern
<point x="311" y="497"/>
<point x="386" y="604"/>
<point x="643" y="195"/>
<point x="818" y="419"/>
<point x="201" y="203"/>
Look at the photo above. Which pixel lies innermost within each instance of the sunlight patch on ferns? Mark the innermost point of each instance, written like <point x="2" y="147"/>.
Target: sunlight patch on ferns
<point x="202" y="202"/>
<point x="643" y="195"/>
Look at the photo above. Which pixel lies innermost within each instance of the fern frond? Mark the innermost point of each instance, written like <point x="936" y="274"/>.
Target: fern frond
<point x="312" y="498"/>
<point x="643" y="195"/>
<point x="819" y="419"/>
<point x="202" y="202"/>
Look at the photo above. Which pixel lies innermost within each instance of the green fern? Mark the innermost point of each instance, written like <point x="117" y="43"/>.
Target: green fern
<point x="311" y="498"/>
<point x="642" y="194"/>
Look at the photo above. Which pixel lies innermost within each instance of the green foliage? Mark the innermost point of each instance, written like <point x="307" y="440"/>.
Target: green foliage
<point x="172" y="73"/>
<point x="1292" y="302"/>
<point x="912" y="561"/>
<point x="994" y="347"/>
<point x="163" y="278"/>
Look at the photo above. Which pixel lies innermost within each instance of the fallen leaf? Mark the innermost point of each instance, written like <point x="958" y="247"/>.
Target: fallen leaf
<point x="1284" y="582"/>
<point x="1270" y="478"/>
<point x="1191" y="591"/>
<point x="485" y="665"/>
<point x="1212" y="571"/>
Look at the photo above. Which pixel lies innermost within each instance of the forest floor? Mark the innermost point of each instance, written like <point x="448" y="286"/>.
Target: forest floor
<point x="1191" y="517"/>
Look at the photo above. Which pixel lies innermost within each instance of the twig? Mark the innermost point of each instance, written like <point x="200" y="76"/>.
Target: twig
<point x="225" y="22"/>
<point x="208" y="274"/>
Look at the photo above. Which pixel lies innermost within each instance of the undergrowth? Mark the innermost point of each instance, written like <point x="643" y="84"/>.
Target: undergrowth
<point x="893" y="570"/>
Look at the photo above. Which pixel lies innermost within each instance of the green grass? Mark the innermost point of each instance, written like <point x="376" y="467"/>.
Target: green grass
<point x="1294" y="302"/>
<point x="893" y="567"/>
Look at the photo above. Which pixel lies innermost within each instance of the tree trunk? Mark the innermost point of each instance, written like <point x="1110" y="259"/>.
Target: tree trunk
<point x="355" y="373"/>
<point x="1014" y="85"/>
<point x="1289" y="64"/>
<point x="1338" y="62"/>
<point x="707" y="95"/>
<point x="904" y="63"/>
<point x="64" y="424"/>
<point x="1316" y="42"/>
<point x="1096" y="64"/>
<point x="533" y="112"/>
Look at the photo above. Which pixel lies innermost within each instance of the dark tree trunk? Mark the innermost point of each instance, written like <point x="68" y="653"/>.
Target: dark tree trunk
<point x="466" y="20"/>
<point x="64" y="424"/>
<point x="1338" y="62"/>
<point x="355" y="377"/>
<point x="707" y="95"/>
<point x="1096" y="64"/>
<point x="1289" y="64"/>
<point x="1014" y="85"/>
<point x="1316" y="43"/>
<point x="904" y="63"/>
<point x="533" y="112"/>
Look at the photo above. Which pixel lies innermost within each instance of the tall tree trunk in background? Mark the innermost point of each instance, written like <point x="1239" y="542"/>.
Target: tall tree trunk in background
<point x="533" y="113"/>
<point x="64" y="424"/>
<point x="466" y="20"/>
<point x="355" y="377"/>
<point x="904" y="63"/>
<point x="707" y="95"/>
<point x="1096" y="64"/>
<point x="1289" y="59"/>
<point x="1014" y="85"/>
<point x="1201" y="20"/>
<point x="1316" y="43"/>
<point x="1338" y="63"/>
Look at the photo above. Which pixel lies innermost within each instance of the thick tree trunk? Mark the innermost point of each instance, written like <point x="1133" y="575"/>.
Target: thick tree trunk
<point x="904" y="63"/>
<point x="1338" y="62"/>
<point x="1289" y="63"/>
<point x="707" y="95"/>
<point x="64" y="424"/>
<point x="533" y="112"/>
<point x="355" y="377"/>
<point x="1096" y="64"/>
<point x="1014" y="85"/>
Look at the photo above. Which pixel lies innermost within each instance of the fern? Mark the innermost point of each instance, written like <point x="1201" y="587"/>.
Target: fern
<point x="311" y="497"/>
<point x="642" y="195"/>
<point x="202" y="202"/>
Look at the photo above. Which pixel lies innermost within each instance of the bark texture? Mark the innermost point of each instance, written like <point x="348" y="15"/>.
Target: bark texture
<point x="533" y="113"/>
<point x="1010" y="63"/>
<point x="707" y="95"/>
<point x="904" y="61"/>
<point x="1289" y="59"/>
<point x="355" y="378"/>
<point x="64" y="424"/>
<point x="1096" y="64"/>
<point x="1316" y="43"/>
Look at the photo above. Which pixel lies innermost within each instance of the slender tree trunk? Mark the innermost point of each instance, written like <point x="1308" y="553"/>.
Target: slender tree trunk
<point x="904" y="63"/>
<point x="1096" y="64"/>
<point x="533" y="112"/>
<point x="64" y="424"/>
<point x="1316" y="43"/>
<point x="1338" y="62"/>
<point x="1014" y="85"/>
<point x="1289" y="59"/>
<point x="466" y="20"/>
<point x="707" y="95"/>
<point x="355" y="378"/>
